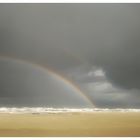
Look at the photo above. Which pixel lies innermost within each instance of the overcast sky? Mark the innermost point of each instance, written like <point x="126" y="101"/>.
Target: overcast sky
<point x="96" y="46"/>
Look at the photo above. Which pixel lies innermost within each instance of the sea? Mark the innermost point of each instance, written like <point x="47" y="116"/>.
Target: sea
<point x="41" y="110"/>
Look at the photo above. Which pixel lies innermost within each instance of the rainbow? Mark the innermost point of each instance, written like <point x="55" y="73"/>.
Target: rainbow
<point x="52" y="72"/>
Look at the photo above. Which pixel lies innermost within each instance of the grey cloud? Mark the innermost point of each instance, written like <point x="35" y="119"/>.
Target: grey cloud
<point x="73" y="38"/>
<point x="27" y="85"/>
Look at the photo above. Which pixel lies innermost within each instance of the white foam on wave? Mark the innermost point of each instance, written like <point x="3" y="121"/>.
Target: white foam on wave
<point x="39" y="110"/>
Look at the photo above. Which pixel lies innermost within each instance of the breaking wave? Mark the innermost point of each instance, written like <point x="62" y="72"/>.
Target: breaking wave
<point x="40" y="110"/>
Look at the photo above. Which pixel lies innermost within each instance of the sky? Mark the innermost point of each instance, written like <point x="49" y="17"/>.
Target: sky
<point x="95" y="46"/>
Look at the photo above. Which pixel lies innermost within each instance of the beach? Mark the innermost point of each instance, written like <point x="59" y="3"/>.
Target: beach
<point x="100" y="124"/>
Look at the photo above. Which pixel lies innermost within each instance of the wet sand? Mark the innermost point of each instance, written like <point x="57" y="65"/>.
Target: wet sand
<point x="70" y="124"/>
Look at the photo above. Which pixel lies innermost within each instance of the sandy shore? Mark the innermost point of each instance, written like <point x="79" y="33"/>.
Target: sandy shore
<point x="70" y="124"/>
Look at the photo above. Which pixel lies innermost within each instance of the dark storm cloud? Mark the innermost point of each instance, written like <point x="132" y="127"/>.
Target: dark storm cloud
<point x="121" y="62"/>
<point x="74" y="38"/>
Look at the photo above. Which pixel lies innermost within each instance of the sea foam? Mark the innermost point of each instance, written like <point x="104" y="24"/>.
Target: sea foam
<point x="39" y="110"/>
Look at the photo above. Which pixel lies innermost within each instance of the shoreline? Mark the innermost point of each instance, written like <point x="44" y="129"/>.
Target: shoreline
<point x="100" y="124"/>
